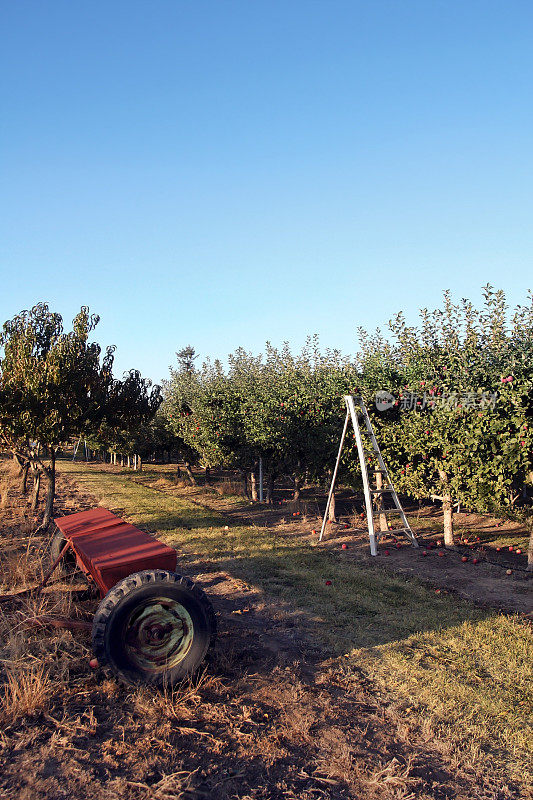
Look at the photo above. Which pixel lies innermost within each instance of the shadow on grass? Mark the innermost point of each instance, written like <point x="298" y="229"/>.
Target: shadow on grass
<point x="363" y="606"/>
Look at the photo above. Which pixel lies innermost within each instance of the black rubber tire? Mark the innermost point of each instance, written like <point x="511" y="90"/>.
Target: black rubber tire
<point x="67" y="565"/>
<point x="115" y="612"/>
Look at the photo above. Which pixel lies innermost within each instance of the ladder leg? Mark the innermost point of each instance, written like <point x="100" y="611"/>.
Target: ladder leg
<point x="334" y="477"/>
<point x="375" y="447"/>
<point x="364" y="474"/>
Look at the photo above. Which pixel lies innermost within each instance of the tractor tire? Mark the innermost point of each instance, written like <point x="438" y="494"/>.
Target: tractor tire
<point x="67" y="565"/>
<point x="153" y="627"/>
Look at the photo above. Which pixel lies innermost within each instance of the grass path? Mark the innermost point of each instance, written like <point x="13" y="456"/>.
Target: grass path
<point x="439" y="658"/>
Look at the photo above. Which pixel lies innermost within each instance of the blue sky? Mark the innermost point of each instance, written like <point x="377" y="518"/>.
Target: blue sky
<point x="223" y="173"/>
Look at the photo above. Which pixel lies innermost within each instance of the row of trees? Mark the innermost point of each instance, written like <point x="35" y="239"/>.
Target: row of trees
<point x="56" y="385"/>
<point x="458" y="425"/>
<point x="280" y="407"/>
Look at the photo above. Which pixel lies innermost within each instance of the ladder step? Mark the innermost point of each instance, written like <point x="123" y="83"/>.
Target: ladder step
<point x="399" y="530"/>
<point x="387" y="511"/>
<point x="381" y="491"/>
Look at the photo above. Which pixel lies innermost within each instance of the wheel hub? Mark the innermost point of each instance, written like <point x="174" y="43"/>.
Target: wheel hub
<point x="158" y="634"/>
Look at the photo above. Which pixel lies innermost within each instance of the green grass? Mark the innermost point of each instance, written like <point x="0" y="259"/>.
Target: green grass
<point x="468" y="671"/>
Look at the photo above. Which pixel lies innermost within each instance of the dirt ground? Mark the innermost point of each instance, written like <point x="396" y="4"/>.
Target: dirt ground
<point x="268" y="719"/>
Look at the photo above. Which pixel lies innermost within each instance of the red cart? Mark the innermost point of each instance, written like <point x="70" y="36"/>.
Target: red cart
<point x="152" y="624"/>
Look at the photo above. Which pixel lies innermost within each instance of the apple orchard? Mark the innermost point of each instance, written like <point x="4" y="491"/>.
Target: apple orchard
<point x="458" y="429"/>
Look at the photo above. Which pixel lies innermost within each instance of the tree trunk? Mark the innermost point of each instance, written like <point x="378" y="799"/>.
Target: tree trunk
<point x="189" y="474"/>
<point x="253" y="485"/>
<point x="383" y="524"/>
<point x="530" y="547"/>
<point x="297" y="486"/>
<point x="447" y="510"/>
<point x="24" y="477"/>
<point x="50" y="473"/>
<point x="270" y="489"/>
<point x="331" y="510"/>
<point x="244" y="478"/>
<point x="207" y="476"/>
<point x="36" y="487"/>
<point x="178" y="471"/>
<point x="139" y="463"/>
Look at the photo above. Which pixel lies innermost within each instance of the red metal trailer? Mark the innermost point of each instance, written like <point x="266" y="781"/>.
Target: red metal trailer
<point x="152" y="624"/>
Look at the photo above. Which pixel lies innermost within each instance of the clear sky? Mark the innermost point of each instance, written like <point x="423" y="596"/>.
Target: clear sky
<point x="225" y="172"/>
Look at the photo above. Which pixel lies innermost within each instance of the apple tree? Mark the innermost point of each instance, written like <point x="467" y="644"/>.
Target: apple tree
<point x="54" y="386"/>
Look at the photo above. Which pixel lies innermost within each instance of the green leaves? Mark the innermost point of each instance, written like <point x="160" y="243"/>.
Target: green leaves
<point x="279" y="406"/>
<point x="461" y="350"/>
<point x="53" y="385"/>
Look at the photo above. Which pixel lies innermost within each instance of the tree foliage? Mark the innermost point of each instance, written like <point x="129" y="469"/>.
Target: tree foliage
<point x="463" y="383"/>
<point x="54" y="385"/>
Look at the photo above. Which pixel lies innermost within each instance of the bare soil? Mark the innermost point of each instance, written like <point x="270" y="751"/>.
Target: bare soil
<point x="268" y="719"/>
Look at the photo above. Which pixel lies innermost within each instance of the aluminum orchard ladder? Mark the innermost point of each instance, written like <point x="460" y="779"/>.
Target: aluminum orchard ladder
<point x="356" y="411"/>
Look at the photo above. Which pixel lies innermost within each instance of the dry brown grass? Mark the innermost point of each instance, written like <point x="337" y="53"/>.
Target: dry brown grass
<point x="27" y="690"/>
<point x="229" y="488"/>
